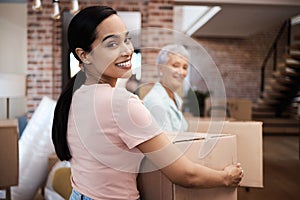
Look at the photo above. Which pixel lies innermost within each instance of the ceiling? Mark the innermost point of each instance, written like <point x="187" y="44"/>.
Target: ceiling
<point x="242" y="20"/>
<point x="237" y="18"/>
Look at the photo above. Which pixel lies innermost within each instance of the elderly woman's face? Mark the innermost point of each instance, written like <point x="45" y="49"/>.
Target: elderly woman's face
<point x="174" y="71"/>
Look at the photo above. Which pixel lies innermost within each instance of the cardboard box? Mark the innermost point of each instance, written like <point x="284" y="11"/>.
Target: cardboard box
<point x="215" y="152"/>
<point x="240" y="109"/>
<point x="9" y="153"/>
<point x="249" y="144"/>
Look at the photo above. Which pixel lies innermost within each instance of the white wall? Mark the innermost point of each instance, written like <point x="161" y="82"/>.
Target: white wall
<point x="13" y="49"/>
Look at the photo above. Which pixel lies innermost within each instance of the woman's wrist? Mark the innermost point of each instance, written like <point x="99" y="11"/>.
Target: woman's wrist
<point x="225" y="178"/>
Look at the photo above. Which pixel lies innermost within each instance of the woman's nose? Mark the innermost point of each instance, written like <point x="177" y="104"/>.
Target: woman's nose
<point x="127" y="50"/>
<point x="182" y="71"/>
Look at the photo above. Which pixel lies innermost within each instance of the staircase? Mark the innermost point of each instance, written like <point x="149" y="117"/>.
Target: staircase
<point x="278" y="104"/>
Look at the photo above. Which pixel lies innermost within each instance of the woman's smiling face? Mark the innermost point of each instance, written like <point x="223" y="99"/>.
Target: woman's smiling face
<point x="174" y="71"/>
<point x="111" y="51"/>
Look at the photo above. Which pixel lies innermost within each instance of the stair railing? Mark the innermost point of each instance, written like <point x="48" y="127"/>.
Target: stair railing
<point x="273" y="50"/>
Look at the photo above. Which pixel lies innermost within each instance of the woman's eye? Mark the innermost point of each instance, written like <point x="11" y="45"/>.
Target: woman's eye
<point x="112" y="44"/>
<point x="127" y="40"/>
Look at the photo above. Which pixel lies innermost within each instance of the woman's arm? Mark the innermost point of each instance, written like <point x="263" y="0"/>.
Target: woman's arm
<point x="183" y="171"/>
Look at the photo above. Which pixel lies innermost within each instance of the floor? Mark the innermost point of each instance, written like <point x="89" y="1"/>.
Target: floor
<point x="281" y="171"/>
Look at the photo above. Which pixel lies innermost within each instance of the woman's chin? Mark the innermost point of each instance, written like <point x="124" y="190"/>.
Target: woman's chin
<point x="127" y="74"/>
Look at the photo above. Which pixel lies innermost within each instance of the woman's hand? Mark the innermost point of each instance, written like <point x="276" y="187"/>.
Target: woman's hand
<point x="234" y="175"/>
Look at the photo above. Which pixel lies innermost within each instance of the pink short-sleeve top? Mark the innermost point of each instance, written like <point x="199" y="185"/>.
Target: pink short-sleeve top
<point x="105" y="126"/>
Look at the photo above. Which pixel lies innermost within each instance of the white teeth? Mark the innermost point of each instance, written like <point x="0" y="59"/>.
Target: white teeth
<point x="124" y="64"/>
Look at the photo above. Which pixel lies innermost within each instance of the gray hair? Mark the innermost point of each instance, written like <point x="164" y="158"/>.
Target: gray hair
<point x="163" y="55"/>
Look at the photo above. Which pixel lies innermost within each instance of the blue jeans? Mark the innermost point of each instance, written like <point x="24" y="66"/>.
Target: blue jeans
<point x="78" y="196"/>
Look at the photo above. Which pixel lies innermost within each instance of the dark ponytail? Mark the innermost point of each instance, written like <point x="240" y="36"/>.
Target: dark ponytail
<point x="61" y="116"/>
<point x="81" y="34"/>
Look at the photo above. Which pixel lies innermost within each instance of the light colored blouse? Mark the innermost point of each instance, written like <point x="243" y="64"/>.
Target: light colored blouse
<point x="167" y="114"/>
<point x="105" y="126"/>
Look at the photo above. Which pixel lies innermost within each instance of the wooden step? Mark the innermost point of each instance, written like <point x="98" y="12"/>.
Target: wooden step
<point x="275" y="85"/>
<point x="270" y="89"/>
<point x="262" y="103"/>
<point x="295" y="54"/>
<point x="296" y="37"/>
<point x="280" y="121"/>
<point x="279" y="125"/>
<point x="263" y="114"/>
<point x="262" y="107"/>
<point x="270" y="102"/>
<point x="287" y="71"/>
<point x="295" y="45"/>
<point x="274" y="94"/>
<point x="293" y="110"/>
<point x="293" y="63"/>
<point x="262" y="111"/>
<point x="281" y="130"/>
<point x="285" y="80"/>
<point x="296" y="99"/>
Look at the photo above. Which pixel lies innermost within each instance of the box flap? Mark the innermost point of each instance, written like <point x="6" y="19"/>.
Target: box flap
<point x="177" y="137"/>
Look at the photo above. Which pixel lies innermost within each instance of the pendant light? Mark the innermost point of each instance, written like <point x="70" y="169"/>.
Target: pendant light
<point x="74" y="6"/>
<point x="37" y="5"/>
<point x="56" y="11"/>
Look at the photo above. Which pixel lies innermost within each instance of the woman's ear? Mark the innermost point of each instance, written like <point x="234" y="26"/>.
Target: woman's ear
<point x="83" y="55"/>
<point x="159" y="68"/>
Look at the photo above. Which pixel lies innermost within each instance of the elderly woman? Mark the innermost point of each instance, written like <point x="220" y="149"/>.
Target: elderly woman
<point x="162" y="100"/>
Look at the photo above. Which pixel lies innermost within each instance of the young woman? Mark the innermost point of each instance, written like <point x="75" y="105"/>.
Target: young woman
<point x="162" y="100"/>
<point x="105" y="131"/>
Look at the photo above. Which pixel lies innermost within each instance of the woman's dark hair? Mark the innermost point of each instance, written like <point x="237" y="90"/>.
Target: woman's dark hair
<point x="81" y="34"/>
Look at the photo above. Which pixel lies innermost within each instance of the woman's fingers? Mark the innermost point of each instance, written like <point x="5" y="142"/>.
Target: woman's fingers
<point x="239" y="175"/>
<point x="236" y="173"/>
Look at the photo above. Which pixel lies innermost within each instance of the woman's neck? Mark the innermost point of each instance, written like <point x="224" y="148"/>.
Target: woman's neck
<point x="169" y="92"/>
<point x="102" y="80"/>
<point x="94" y="77"/>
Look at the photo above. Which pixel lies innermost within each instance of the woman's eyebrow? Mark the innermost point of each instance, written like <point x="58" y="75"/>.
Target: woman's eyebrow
<point x="117" y="36"/>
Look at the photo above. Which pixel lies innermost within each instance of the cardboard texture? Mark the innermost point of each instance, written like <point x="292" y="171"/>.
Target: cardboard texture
<point x="249" y="144"/>
<point x="9" y="153"/>
<point x="216" y="152"/>
<point x="239" y="109"/>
